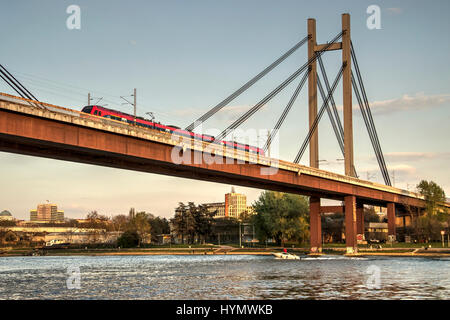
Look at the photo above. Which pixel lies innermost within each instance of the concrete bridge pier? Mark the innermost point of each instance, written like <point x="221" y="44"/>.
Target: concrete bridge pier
<point x="350" y="224"/>
<point x="315" y="225"/>
<point x="359" y="218"/>
<point x="391" y="219"/>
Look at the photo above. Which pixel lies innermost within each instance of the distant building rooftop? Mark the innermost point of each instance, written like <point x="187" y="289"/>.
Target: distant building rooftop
<point x="5" y="213"/>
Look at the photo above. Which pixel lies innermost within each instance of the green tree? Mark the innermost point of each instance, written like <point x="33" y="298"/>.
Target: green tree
<point x="139" y="223"/>
<point x="128" y="239"/>
<point x="281" y="216"/>
<point x="183" y="223"/>
<point x="158" y="226"/>
<point x="428" y="227"/>
<point x="245" y="217"/>
<point x="433" y="194"/>
<point x="203" y="220"/>
<point x="192" y="222"/>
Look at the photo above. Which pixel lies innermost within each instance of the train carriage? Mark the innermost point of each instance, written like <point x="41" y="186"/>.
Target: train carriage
<point x="146" y="123"/>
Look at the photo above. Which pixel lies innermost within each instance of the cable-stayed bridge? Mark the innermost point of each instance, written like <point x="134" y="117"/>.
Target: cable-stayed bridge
<point x="31" y="127"/>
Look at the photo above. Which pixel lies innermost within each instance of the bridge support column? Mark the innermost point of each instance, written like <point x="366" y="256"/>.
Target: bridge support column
<point x="347" y="96"/>
<point x="315" y="225"/>
<point x="312" y="96"/>
<point x="350" y="224"/>
<point x="391" y="219"/>
<point x="359" y="218"/>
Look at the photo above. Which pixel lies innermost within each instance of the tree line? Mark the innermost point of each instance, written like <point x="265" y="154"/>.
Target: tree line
<point x="279" y="216"/>
<point x="435" y="218"/>
<point x="139" y="227"/>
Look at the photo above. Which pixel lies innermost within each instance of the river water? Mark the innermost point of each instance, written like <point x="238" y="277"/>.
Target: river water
<point x="223" y="277"/>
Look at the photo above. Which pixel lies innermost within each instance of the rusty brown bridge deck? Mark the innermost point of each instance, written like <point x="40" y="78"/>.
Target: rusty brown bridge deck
<point x="67" y="134"/>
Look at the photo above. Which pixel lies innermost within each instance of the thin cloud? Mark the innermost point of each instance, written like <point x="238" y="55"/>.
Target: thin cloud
<point x="416" y="102"/>
<point x="188" y="112"/>
<point x="398" y="168"/>
<point x="232" y="112"/>
<point x="403" y="168"/>
<point x="414" y="156"/>
<point x="419" y="101"/>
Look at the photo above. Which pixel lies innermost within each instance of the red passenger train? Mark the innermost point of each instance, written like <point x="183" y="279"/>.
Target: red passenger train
<point x="142" y="122"/>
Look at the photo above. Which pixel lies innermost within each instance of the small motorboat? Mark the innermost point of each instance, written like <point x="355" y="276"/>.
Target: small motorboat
<point x="285" y="255"/>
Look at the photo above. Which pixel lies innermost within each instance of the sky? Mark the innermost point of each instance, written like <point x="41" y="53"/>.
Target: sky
<point x="184" y="57"/>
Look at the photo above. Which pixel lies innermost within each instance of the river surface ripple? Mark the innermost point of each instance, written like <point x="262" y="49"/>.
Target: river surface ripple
<point x="224" y="277"/>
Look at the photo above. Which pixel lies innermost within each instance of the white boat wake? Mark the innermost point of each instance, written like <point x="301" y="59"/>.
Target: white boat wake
<point x="285" y="255"/>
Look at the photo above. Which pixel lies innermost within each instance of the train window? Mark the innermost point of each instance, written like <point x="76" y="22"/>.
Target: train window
<point x="99" y="113"/>
<point x="95" y="112"/>
<point x="87" y="109"/>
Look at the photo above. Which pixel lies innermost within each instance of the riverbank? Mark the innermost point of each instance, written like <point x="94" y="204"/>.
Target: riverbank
<point x="225" y="250"/>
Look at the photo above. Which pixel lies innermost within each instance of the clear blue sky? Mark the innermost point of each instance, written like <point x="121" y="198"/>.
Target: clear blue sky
<point x="185" y="56"/>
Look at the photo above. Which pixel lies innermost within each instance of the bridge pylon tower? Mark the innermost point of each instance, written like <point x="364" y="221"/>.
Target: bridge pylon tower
<point x="350" y="201"/>
<point x="345" y="47"/>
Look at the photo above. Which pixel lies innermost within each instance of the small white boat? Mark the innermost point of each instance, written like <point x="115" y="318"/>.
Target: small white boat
<point x="284" y="255"/>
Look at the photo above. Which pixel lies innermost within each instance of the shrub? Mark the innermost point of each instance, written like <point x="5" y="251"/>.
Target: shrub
<point x="129" y="239"/>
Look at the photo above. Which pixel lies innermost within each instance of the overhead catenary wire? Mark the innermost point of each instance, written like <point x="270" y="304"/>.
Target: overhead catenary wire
<point x="274" y="92"/>
<point x="32" y="77"/>
<point x="74" y="93"/>
<point x="319" y="115"/>
<point x="247" y="85"/>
